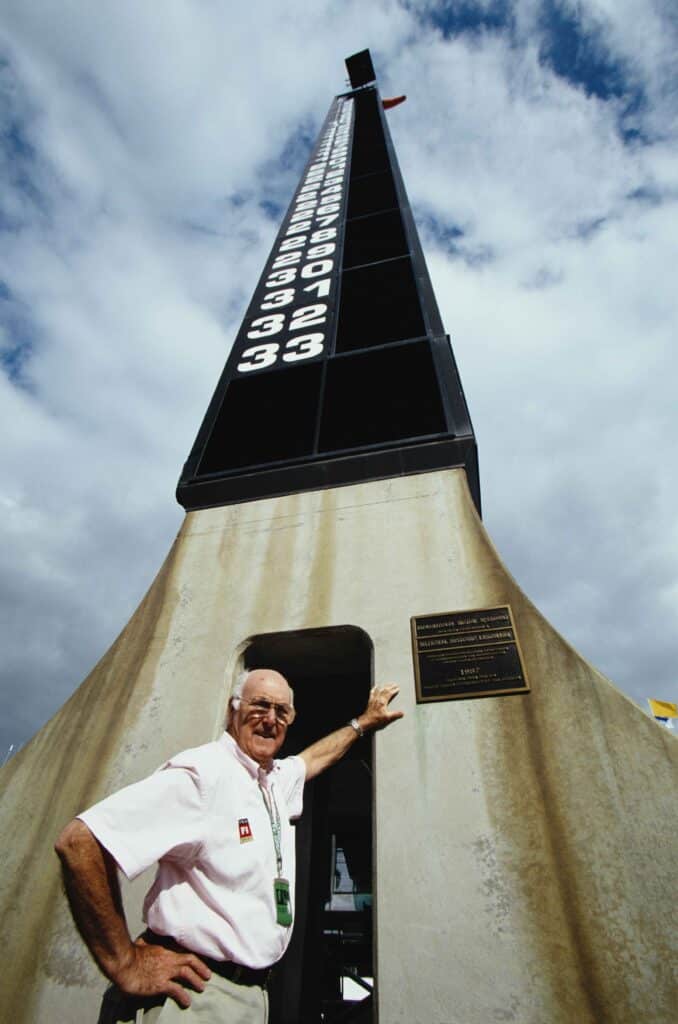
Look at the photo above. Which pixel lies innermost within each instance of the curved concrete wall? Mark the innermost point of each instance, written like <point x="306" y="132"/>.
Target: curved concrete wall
<point x="525" y="844"/>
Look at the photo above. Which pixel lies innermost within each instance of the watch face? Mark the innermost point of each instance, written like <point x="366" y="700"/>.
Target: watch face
<point x="291" y="316"/>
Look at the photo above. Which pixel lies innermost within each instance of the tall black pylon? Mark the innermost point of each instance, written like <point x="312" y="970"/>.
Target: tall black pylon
<point x="341" y="371"/>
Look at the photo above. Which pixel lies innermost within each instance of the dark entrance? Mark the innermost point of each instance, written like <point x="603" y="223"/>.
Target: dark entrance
<point x="327" y="973"/>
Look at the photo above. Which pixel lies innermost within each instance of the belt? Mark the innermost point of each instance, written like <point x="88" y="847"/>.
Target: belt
<point x="238" y="973"/>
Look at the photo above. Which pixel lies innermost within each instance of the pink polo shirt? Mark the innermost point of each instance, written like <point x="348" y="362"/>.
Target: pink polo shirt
<point x="203" y="818"/>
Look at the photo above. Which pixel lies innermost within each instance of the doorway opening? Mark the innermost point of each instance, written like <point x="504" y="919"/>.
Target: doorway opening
<point x="327" y="975"/>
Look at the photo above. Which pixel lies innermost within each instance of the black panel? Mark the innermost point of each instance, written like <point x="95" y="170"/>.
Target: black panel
<point x="368" y="239"/>
<point x="371" y="193"/>
<point x="369" y="147"/>
<point x="334" y="470"/>
<point x="265" y="419"/>
<point x="360" y="68"/>
<point x="379" y="304"/>
<point x="384" y="396"/>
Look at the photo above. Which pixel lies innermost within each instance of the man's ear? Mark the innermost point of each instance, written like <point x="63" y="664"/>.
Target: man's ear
<point x="229" y="712"/>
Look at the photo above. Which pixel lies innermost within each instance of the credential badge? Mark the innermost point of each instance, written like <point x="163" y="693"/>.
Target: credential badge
<point x="244" y="830"/>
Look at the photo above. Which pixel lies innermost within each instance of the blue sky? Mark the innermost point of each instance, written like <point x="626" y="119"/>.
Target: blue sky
<point x="145" y="164"/>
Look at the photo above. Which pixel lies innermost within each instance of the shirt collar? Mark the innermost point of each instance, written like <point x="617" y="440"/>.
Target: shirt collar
<point x="253" y="767"/>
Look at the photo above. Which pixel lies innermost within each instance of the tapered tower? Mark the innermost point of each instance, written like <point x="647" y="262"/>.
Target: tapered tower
<point x="501" y="854"/>
<point x="342" y="351"/>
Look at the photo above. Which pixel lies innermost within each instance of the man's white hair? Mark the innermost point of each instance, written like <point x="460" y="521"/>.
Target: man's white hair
<point x="240" y="683"/>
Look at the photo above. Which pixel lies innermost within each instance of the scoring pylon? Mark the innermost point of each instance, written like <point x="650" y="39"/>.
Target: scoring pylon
<point x="505" y="852"/>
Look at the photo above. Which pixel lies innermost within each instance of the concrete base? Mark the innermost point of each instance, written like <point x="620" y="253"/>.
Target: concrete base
<point x="525" y="845"/>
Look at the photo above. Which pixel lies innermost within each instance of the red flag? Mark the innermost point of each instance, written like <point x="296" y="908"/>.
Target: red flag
<point x="387" y="104"/>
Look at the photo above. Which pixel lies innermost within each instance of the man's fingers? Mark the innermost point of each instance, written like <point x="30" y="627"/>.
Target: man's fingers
<point x="198" y="966"/>
<point x="377" y="706"/>
<point x="190" y="975"/>
<point x="384" y="694"/>
<point x="164" y="971"/>
<point x="178" y="994"/>
<point x="389" y="690"/>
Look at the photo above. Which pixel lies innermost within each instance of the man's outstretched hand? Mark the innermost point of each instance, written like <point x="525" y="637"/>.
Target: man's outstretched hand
<point x="377" y="715"/>
<point x="152" y="970"/>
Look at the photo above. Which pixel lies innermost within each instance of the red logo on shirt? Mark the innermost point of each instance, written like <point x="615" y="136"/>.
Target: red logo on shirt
<point x="244" y="830"/>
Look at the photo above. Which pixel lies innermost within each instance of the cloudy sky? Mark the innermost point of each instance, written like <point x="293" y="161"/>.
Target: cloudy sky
<point x="148" y="151"/>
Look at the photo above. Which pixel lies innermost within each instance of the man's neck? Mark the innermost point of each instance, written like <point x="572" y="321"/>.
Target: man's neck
<point x="266" y="765"/>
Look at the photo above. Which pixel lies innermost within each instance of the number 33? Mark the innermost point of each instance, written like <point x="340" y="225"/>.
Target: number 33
<point x="258" y="357"/>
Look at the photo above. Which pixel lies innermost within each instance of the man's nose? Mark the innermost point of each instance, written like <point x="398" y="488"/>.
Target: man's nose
<point x="270" y="715"/>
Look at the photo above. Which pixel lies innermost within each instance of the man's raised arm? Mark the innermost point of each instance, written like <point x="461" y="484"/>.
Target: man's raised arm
<point x="330" y="749"/>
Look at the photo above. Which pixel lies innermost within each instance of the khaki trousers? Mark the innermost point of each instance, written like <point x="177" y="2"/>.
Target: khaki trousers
<point x="222" y="1002"/>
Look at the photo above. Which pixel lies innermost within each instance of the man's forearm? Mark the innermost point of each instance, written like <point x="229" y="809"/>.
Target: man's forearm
<point x="137" y="968"/>
<point x="91" y="881"/>
<point x="330" y="749"/>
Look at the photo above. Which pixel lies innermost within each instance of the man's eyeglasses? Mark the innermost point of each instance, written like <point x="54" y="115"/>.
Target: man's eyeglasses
<point x="260" y="707"/>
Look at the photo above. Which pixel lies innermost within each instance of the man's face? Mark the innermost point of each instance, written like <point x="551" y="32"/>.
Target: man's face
<point x="260" y="736"/>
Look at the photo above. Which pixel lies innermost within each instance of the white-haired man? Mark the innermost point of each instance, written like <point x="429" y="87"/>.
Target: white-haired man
<point x="217" y="820"/>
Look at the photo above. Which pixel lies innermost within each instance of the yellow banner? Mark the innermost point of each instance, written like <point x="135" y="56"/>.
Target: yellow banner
<point x="663" y="708"/>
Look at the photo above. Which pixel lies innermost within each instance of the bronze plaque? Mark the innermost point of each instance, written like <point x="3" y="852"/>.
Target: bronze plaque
<point x="467" y="654"/>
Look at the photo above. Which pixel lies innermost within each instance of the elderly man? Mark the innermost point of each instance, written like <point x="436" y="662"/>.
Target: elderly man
<point x="217" y="821"/>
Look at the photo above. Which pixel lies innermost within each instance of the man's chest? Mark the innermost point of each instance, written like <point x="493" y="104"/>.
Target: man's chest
<point x="248" y="837"/>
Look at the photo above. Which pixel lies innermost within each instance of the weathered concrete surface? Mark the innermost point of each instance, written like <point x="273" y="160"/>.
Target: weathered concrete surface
<point x="525" y="845"/>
